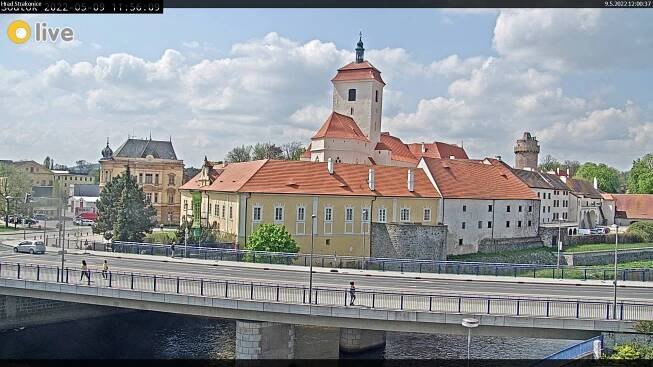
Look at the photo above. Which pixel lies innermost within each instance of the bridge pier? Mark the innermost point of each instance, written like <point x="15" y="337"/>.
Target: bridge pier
<point x="271" y="340"/>
<point x="359" y="340"/>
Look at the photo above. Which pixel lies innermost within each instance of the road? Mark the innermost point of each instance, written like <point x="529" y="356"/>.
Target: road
<point x="364" y="280"/>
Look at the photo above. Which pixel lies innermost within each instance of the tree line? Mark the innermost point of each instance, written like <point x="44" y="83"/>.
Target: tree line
<point x="290" y="151"/>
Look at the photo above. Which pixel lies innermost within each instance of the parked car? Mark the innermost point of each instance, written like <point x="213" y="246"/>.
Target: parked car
<point x="31" y="247"/>
<point x="30" y="221"/>
<point x="40" y="217"/>
<point x="86" y="222"/>
<point x="600" y="230"/>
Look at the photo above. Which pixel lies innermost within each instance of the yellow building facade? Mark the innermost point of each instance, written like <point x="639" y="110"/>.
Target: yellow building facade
<point x="342" y="202"/>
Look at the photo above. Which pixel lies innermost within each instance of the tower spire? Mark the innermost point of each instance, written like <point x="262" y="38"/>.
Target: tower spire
<point x="359" y="48"/>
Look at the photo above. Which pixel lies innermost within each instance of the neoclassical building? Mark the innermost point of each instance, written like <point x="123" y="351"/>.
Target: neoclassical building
<point x="156" y="168"/>
<point x="352" y="133"/>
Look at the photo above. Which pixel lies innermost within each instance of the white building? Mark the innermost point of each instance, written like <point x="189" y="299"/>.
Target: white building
<point x="352" y="132"/>
<point x="482" y="200"/>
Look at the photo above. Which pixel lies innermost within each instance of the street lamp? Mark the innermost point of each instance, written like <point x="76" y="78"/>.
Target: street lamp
<point x="469" y="324"/>
<point x="310" y="271"/>
<point x="559" y="243"/>
<point x="616" y="243"/>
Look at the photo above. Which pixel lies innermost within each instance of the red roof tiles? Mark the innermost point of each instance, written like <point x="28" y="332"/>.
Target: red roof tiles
<point x="437" y="150"/>
<point x="634" y="206"/>
<point x="400" y="151"/>
<point x="340" y="126"/>
<point x="471" y="179"/>
<point x="312" y="178"/>
<point x="358" y="71"/>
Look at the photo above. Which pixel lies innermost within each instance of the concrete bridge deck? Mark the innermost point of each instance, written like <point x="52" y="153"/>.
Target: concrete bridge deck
<point x="375" y="309"/>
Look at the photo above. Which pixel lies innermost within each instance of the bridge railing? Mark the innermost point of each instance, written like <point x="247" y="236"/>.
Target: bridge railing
<point x="332" y="296"/>
<point x="383" y="264"/>
<point x="573" y="352"/>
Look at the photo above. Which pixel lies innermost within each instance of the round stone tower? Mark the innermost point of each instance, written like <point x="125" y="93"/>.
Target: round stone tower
<point x="526" y="152"/>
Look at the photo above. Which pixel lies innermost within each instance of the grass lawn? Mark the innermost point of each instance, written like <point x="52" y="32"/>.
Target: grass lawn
<point x="607" y="246"/>
<point x="162" y="237"/>
<point x="539" y="255"/>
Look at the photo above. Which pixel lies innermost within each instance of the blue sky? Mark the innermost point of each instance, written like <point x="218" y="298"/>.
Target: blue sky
<point x="216" y="78"/>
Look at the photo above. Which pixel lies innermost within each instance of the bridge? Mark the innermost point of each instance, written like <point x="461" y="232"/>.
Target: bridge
<point x="385" y="301"/>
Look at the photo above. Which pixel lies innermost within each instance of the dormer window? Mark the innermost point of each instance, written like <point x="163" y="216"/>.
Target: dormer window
<point x="352" y="95"/>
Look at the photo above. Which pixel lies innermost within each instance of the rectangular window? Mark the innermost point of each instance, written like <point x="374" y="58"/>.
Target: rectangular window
<point x="256" y="214"/>
<point x="171" y="179"/>
<point x="352" y="95"/>
<point x="185" y="204"/>
<point x="530" y="223"/>
<point x="156" y="179"/>
<point x="427" y="214"/>
<point x="405" y="215"/>
<point x="507" y="224"/>
<point x="382" y="217"/>
<point x="148" y="197"/>
<point x="278" y="214"/>
<point x="464" y="208"/>
<point x="520" y="209"/>
<point x="462" y="225"/>
<point x="171" y="198"/>
<point x="489" y="208"/>
<point x="519" y="224"/>
<point x="148" y="178"/>
<point x="216" y="210"/>
<point x="349" y="214"/>
<point x="530" y="208"/>
<point x="460" y="241"/>
<point x="538" y="195"/>
<point x="156" y="197"/>
<point x="365" y="215"/>
<point x="376" y="96"/>
<point x="489" y="224"/>
<point x="549" y="210"/>
<point x="301" y="213"/>
<point x="544" y="209"/>
<point x="480" y="224"/>
<point x="328" y="214"/>
<point x="508" y="209"/>
<point x="224" y="208"/>
<point x="140" y="178"/>
<point x="231" y="212"/>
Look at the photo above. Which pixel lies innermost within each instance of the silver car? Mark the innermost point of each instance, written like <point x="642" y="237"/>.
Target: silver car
<point x="32" y="247"/>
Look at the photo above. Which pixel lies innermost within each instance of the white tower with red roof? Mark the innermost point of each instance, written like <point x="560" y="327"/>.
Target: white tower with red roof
<point x="358" y="93"/>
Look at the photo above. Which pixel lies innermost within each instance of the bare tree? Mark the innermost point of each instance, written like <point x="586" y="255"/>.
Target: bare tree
<point x="266" y="151"/>
<point x="293" y="151"/>
<point x="239" y="154"/>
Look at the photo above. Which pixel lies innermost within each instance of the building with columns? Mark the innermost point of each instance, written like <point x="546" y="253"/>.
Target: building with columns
<point x="352" y="133"/>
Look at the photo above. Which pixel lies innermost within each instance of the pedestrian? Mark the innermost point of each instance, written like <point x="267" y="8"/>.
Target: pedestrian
<point x="85" y="272"/>
<point x="85" y="244"/>
<point x="352" y="293"/>
<point x="172" y="248"/>
<point x="105" y="269"/>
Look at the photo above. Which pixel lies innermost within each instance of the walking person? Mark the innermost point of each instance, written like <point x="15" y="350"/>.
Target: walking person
<point x="85" y="272"/>
<point x="172" y="248"/>
<point x="352" y="293"/>
<point x="105" y="269"/>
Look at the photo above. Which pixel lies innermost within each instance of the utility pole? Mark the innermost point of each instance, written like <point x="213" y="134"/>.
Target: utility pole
<point x="616" y="243"/>
<point x="559" y="244"/>
<point x="310" y="270"/>
<point x="3" y="181"/>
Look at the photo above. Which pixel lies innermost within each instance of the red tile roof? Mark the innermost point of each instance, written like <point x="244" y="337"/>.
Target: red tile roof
<point x="400" y="151"/>
<point x="381" y="146"/>
<point x="307" y="152"/>
<point x="634" y="206"/>
<point x="472" y="179"/>
<point x="358" y="71"/>
<point x="312" y="178"/>
<point x="340" y="126"/>
<point x="438" y="150"/>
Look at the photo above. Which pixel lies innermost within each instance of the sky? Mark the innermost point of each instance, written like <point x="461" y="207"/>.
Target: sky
<point x="212" y="79"/>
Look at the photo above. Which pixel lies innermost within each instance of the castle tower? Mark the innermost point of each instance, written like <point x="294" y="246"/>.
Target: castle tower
<point x="526" y="152"/>
<point x="358" y="93"/>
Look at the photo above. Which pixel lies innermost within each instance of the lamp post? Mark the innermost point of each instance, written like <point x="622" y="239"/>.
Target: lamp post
<point x="310" y="269"/>
<point x="469" y="324"/>
<point x="616" y="243"/>
<point x="559" y="244"/>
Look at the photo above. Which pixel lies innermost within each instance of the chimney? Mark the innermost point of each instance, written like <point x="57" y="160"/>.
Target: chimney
<point x="596" y="184"/>
<point x="567" y="171"/>
<point x="370" y="180"/>
<point x="558" y="171"/>
<point x="564" y="179"/>
<point x="423" y="148"/>
<point x="330" y="166"/>
<point x="411" y="180"/>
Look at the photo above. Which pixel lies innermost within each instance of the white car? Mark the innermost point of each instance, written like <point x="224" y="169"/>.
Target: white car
<point x="86" y="222"/>
<point x="31" y="247"/>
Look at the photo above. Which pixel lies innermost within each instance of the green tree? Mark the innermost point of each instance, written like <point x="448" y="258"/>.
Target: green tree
<point x="124" y="214"/>
<point x="640" y="177"/>
<point x="15" y="184"/>
<point x="293" y="151"/>
<point x="572" y="166"/>
<point x="239" y="154"/>
<point x="266" y="151"/>
<point x="196" y="235"/>
<point x="272" y="238"/>
<point x="608" y="178"/>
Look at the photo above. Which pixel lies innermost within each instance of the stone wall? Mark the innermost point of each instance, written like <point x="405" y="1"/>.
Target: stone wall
<point x="23" y="311"/>
<point x="409" y="241"/>
<point x="548" y="233"/>
<point x="264" y="340"/>
<point x="357" y="340"/>
<point x="493" y="245"/>
<point x="607" y="257"/>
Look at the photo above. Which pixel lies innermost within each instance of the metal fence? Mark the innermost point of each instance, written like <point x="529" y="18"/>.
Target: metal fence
<point x="331" y="296"/>
<point x="576" y="351"/>
<point x="382" y="264"/>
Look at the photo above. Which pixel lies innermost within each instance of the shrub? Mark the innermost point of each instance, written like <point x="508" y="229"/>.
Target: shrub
<point x="271" y="238"/>
<point x="644" y="230"/>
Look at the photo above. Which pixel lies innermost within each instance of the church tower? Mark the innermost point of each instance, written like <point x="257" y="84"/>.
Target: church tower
<point x="358" y="93"/>
<point x="526" y="152"/>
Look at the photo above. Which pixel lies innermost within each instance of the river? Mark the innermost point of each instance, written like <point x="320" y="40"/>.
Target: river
<point x="154" y="335"/>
